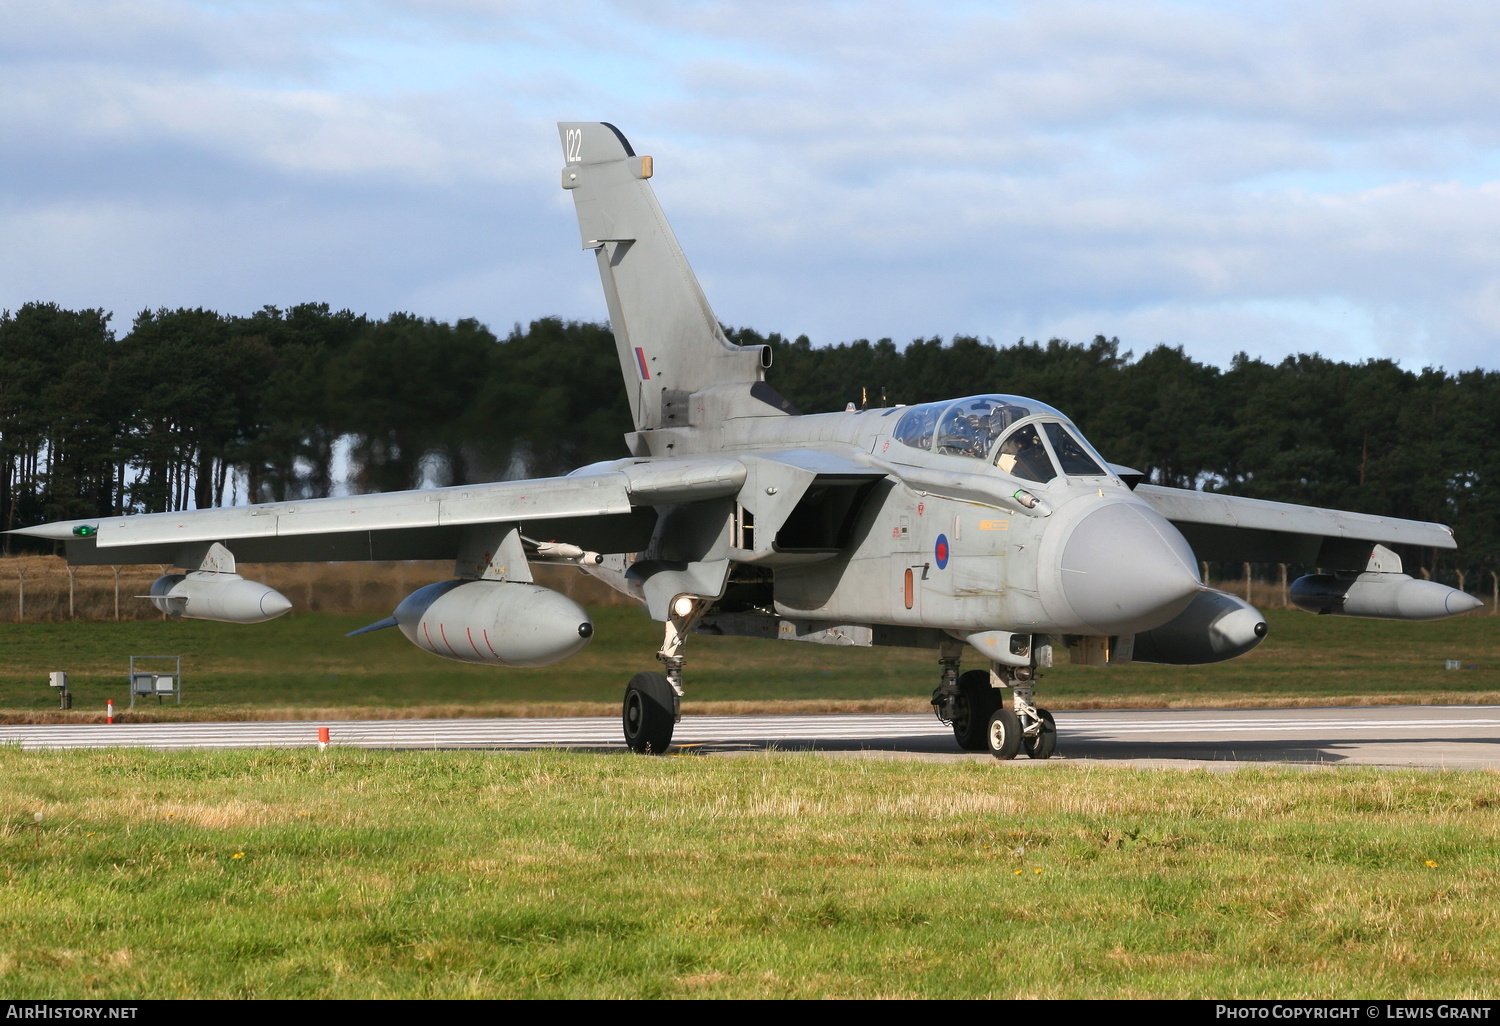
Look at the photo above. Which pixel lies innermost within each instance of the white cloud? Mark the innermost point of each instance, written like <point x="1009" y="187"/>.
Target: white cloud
<point x="1270" y="177"/>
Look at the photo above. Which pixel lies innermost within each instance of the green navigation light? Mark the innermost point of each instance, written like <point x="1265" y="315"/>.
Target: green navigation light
<point x="85" y="530"/>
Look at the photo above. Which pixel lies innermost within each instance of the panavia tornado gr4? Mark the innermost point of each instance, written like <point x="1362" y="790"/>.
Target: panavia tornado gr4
<point x="984" y="527"/>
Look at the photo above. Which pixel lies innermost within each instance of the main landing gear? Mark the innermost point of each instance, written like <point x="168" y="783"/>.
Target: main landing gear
<point x="650" y="713"/>
<point x="972" y="704"/>
<point x="966" y="701"/>
<point x="653" y="701"/>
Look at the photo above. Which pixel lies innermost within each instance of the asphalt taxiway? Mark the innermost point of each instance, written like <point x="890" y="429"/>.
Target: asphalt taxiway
<point x="1455" y="737"/>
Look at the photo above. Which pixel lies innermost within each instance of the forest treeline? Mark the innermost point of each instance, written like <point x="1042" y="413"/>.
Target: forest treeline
<point x="193" y="408"/>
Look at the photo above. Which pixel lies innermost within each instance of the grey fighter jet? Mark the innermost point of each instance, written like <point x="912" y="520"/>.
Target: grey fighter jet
<point x="985" y="526"/>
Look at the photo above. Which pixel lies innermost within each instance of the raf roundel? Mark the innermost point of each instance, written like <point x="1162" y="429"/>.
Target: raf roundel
<point x="940" y="551"/>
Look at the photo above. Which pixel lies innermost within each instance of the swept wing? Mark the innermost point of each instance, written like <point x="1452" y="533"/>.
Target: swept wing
<point x="606" y="506"/>
<point x="1230" y="528"/>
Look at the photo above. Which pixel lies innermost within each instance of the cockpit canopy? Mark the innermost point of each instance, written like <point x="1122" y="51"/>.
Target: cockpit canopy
<point x="983" y="427"/>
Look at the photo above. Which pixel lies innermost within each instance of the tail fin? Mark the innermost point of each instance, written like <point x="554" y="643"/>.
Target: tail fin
<point x="669" y="342"/>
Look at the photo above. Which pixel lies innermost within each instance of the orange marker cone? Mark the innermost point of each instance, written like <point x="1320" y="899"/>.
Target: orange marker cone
<point x="322" y="738"/>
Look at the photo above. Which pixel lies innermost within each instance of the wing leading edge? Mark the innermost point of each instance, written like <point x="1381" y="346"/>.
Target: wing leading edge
<point x="605" y="507"/>
<point x="1230" y="528"/>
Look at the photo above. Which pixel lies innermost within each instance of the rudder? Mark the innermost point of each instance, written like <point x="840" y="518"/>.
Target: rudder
<point x="669" y="343"/>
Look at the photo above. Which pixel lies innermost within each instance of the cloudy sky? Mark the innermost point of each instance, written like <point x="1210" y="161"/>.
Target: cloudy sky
<point x="1262" y="176"/>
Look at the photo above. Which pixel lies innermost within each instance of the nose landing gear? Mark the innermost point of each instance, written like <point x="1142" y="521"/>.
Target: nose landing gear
<point x="1024" y="725"/>
<point x="973" y="705"/>
<point x="1043" y="743"/>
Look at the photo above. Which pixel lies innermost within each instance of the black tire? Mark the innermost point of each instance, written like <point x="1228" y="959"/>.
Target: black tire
<point x="1045" y="743"/>
<point x="647" y="714"/>
<point x="1003" y="738"/>
<point x="972" y="709"/>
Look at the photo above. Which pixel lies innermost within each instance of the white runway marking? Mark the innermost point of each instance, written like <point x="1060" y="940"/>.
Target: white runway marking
<point x="1279" y="727"/>
<point x="1417" y="736"/>
<point x="592" y="732"/>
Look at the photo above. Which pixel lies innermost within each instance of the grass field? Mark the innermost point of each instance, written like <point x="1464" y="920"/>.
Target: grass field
<point x="301" y="665"/>
<point x="133" y="874"/>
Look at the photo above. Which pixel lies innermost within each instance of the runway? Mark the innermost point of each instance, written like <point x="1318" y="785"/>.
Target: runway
<point x="1455" y="737"/>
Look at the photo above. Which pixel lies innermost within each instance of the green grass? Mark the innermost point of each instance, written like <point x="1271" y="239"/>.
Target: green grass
<point x="461" y="874"/>
<point x="305" y="663"/>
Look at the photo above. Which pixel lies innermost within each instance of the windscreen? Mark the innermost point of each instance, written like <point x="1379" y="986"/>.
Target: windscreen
<point x="1023" y="455"/>
<point x="1075" y="459"/>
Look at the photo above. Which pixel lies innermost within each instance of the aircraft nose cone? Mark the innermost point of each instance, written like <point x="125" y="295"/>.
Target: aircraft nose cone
<point x="1125" y="569"/>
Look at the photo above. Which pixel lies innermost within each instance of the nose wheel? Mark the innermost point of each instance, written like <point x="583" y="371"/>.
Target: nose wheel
<point x="1023" y="726"/>
<point x="1004" y="735"/>
<point x="1007" y="737"/>
<point x="1043" y="743"/>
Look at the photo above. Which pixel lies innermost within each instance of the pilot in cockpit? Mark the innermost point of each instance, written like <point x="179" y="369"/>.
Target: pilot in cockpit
<point x="1022" y="454"/>
<point x="974" y="436"/>
<point x="990" y="425"/>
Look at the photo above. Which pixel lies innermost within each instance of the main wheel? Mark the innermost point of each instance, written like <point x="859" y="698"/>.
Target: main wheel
<point x="972" y="709"/>
<point x="1045" y="743"/>
<point x="1004" y="735"/>
<point x="647" y="715"/>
